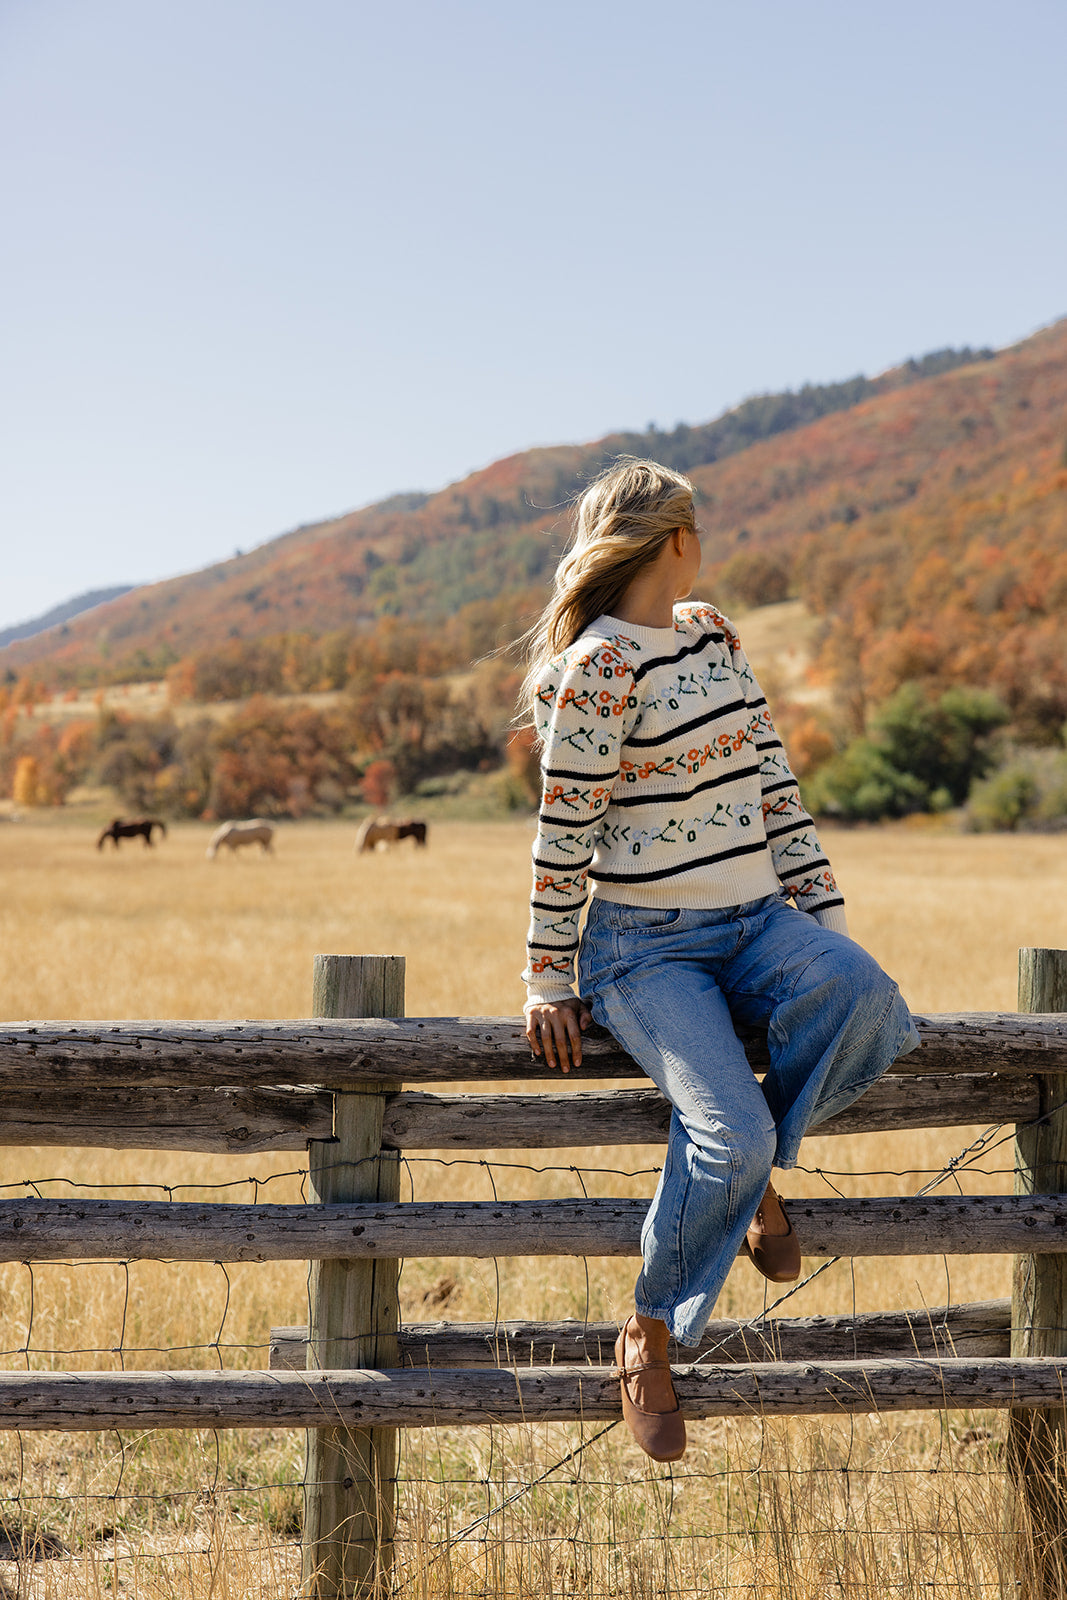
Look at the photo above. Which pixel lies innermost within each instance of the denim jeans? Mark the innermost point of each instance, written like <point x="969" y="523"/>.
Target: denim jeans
<point x="669" y="985"/>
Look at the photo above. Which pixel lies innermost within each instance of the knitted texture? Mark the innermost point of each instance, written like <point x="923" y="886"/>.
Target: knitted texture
<point x="665" y="783"/>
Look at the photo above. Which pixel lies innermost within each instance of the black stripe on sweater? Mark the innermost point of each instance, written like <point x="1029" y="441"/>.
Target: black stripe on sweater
<point x="562" y="866"/>
<point x="790" y="827"/>
<point x="808" y="866"/>
<point x="706" y="719"/>
<point x="561" y="822"/>
<point x="646" y="667"/>
<point x="679" y="796"/>
<point x="586" y="777"/>
<point x="677" y="872"/>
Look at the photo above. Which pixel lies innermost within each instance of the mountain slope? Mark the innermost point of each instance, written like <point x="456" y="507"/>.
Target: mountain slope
<point x="928" y="529"/>
<point x="877" y="475"/>
<point x="62" y="613"/>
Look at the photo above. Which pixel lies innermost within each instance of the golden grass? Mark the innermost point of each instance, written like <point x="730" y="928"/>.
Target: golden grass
<point x="139" y="933"/>
<point x="850" y="1509"/>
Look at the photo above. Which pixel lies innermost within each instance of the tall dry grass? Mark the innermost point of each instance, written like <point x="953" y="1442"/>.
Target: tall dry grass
<point x="907" y="1504"/>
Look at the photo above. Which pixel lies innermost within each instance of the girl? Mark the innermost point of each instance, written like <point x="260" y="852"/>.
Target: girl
<point x="667" y="788"/>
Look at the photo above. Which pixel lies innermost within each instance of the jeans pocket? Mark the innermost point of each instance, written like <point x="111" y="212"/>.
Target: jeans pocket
<point x="647" y="919"/>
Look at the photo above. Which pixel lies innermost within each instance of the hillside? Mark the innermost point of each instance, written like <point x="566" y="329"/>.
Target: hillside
<point x="906" y="553"/>
<point x="62" y="613"/>
<point x="498" y="531"/>
<point x="927" y="528"/>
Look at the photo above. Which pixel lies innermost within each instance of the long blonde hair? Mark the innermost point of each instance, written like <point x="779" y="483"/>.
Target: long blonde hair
<point x="621" y="523"/>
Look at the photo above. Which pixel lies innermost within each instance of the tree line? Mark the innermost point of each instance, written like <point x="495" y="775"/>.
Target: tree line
<point x="391" y="729"/>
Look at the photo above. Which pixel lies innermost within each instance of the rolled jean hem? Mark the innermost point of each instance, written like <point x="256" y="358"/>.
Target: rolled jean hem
<point x="667" y="1316"/>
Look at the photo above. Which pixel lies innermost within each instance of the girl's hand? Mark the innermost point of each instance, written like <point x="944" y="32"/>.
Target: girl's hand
<point x="556" y="1026"/>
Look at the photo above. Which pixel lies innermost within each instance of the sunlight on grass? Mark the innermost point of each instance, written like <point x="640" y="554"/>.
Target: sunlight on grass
<point x="799" y="1508"/>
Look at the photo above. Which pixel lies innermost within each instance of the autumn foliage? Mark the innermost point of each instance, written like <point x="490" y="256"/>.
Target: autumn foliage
<point x="921" y="517"/>
<point x="271" y="756"/>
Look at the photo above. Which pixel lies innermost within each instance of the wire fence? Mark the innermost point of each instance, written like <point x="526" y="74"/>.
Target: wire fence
<point x="904" y="1505"/>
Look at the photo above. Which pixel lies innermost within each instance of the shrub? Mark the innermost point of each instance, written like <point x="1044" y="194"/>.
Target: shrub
<point x="810" y="744"/>
<point x="999" y="803"/>
<point x="862" y="785"/>
<point x="522" y="759"/>
<point x="378" y="784"/>
<point x="921" y="755"/>
<point x="1029" y="792"/>
<point x="945" y="743"/>
<point x="24" y="790"/>
<point x="277" y="760"/>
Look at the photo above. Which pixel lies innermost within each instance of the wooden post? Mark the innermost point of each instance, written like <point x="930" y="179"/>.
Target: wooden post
<point x="1037" y="1440"/>
<point x="350" y="1488"/>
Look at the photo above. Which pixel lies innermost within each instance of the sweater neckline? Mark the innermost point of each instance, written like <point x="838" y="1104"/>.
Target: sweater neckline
<point x="646" y="636"/>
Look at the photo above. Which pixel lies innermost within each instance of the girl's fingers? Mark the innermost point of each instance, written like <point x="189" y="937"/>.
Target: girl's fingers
<point x="540" y="1035"/>
<point x="574" y="1039"/>
<point x="555" y="1035"/>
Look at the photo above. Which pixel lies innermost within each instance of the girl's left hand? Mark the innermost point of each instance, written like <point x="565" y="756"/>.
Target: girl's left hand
<point x="557" y="1026"/>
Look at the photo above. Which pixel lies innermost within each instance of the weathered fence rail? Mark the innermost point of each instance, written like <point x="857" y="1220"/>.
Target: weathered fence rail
<point x="226" y="1120"/>
<point x="982" y="1328"/>
<point x="412" y="1399"/>
<point x="353" y="1053"/>
<point x="353" y="1375"/>
<point x="188" y="1230"/>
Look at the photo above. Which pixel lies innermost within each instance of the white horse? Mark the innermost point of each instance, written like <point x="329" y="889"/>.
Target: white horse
<point x="234" y="834"/>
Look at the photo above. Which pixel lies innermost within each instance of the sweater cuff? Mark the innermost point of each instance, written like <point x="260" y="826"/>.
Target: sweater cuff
<point x="547" y="995"/>
<point x="832" y="917"/>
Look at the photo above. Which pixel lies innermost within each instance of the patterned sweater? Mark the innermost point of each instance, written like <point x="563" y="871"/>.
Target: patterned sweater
<point x="664" y="783"/>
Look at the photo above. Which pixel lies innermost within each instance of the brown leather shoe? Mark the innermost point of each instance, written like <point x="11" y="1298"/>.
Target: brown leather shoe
<point x="776" y="1255"/>
<point x="661" y="1434"/>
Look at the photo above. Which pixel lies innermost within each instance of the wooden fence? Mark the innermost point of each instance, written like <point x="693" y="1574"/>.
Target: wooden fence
<point x="353" y="1376"/>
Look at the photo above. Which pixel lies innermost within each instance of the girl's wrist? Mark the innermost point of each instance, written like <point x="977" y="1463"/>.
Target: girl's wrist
<point x="548" y="999"/>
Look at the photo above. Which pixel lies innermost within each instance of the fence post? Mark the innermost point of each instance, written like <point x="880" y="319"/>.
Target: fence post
<point x="350" y="1488"/>
<point x="1037" y="1440"/>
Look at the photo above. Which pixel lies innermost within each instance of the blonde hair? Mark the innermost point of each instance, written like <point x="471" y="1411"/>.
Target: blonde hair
<point x="621" y="523"/>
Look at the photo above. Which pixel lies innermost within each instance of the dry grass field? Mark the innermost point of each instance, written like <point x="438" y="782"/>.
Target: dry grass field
<point x="798" y="1509"/>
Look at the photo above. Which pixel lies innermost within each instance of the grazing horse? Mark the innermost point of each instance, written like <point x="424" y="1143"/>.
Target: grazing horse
<point x="385" y="830"/>
<point x="140" y="827"/>
<point x="234" y="834"/>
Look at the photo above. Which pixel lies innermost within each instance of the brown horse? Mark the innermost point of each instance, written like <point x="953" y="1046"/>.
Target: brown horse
<point x="385" y="830"/>
<point x="138" y="828"/>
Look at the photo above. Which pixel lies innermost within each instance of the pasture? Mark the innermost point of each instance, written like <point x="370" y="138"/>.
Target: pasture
<point x="843" y="1509"/>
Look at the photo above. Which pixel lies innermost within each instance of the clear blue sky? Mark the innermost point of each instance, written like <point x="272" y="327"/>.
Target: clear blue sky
<point x="267" y="260"/>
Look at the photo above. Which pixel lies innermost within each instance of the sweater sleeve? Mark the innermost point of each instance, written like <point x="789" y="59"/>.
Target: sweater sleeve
<point x="798" y="856"/>
<point x="584" y="708"/>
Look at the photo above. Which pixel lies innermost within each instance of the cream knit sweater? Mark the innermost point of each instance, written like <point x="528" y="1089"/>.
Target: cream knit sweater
<point x="664" y="784"/>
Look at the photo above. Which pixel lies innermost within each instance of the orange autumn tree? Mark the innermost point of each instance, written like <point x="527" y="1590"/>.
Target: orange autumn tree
<point x="24" y="788"/>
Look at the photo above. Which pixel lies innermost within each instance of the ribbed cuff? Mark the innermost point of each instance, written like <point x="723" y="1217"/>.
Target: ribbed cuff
<point x="832" y="917"/>
<point x="539" y="997"/>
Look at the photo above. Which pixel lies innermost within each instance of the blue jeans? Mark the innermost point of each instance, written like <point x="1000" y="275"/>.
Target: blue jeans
<point x="669" y="985"/>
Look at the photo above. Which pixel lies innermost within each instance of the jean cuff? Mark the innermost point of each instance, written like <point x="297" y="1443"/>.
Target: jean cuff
<point x="912" y="1042"/>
